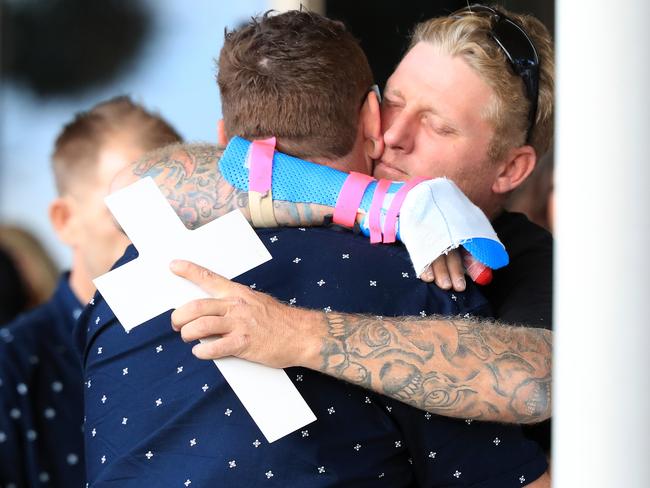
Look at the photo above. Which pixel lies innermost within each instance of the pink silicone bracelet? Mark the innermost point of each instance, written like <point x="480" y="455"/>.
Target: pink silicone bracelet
<point x="347" y="204"/>
<point x="374" y="215"/>
<point x="395" y="206"/>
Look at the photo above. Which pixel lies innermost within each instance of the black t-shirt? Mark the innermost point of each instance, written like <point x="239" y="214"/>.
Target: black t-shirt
<point x="522" y="292"/>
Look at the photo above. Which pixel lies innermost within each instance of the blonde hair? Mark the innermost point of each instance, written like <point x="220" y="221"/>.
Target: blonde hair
<point x="468" y="36"/>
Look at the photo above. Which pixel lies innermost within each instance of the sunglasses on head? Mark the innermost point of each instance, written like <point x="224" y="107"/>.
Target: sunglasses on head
<point x="518" y="48"/>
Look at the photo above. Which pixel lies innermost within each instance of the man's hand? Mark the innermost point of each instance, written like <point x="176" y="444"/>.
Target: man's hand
<point x="249" y="325"/>
<point x="447" y="271"/>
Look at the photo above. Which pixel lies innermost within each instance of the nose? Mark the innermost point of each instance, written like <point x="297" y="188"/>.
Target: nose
<point x="398" y="133"/>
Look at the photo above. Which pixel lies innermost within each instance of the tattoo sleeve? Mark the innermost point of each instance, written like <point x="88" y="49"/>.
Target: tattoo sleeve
<point x="189" y="177"/>
<point x="466" y="368"/>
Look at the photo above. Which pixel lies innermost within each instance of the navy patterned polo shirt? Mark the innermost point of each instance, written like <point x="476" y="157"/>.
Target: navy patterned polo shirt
<point x="157" y="416"/>
<point x="41" y="396"/>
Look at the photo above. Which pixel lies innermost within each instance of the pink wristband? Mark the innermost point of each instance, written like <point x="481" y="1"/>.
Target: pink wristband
<point x="347" y="203"/>
<point x="395" y="206"/>
<point x="260" y="168"/>
<point x="374" y="216"/>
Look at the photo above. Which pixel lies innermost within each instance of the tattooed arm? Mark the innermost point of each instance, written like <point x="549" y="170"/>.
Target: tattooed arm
<point x="458" y="368"/>
<point x="189" y="177"/>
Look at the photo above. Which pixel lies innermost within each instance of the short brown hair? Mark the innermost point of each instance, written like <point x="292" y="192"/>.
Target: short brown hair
<point x="468" y="36"/>
<point x="77" y="147"/>
<point x="298" y="76"/>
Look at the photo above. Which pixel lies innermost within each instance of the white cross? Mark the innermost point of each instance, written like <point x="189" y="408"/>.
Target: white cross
<point x="405" y="275"/>
<point x="345" y="256"/>
<point x="468" y="421"/>
<point x="257" y="443"/>
<point x="88" y="383"/>
<point x="327" y="309"/>
<point x="179" y="369"/>
<point x="457" y="474"/>
<point x="227" y="412"/>
<point x="145" y="287"/>
<point x="232" y="464"/>
<point x="253" y="286"/>
<point x="269" y="475"/>
<point x="292" y="301"/>
<point x="125" y="371"/>
<point x="432" y="454"/>
<point x="302" y="229"/>
<point x="522" y="479"/>
<point x="467" y="315"/>
<point x="398" y="443"/>
<point x="373" y="283"/>
<point x="99" y="350"/>
<point x="159" y="348"/>
<point x="103" y="459"/>
<point x="149" y="454"/>
<point x="454" y="297"/>
<point x="97" y="321"/>
<point x="305" y="433"/>
<point x="193" y="442"/>
<point x="187" y="482"/>
<point x="357" y="447"/>
<point x="92" y="301"/>
<point x="298" y="377"/>
<point x="274" y="239"/>
<point x="297" y="260"/>
<point x="496" y="441"/>
<point x="331" y="410"/>
<point x="368" y="400"/>
<point x="94" y="432"/>
<point x="158" y="402"/>
<point x="124" y="420"/>
<point x="320" y="282"/>
<point x="389" y="408"/>
<point x="321" y="469"/>
<point x="205" y="387"/>
<point x="381" y="475"/>
<point x="104" y="398"/>
<point x="427" y="415"/>
<point x="423" y="313"/>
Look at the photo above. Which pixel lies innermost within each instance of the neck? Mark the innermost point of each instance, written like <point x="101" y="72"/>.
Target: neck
<point x="80" y="281"/>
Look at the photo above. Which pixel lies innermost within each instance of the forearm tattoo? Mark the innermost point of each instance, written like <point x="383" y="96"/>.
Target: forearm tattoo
<point x="189" y="177"/>
<point x="458" y="368"/>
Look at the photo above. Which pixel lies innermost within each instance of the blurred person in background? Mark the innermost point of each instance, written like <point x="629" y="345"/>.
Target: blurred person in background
<point x="41" y="407"/>
<point x="13" y="294"/>
<point x="36" y="268"/>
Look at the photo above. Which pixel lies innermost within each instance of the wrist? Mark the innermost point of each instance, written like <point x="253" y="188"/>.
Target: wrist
<point x="311" y="336"/>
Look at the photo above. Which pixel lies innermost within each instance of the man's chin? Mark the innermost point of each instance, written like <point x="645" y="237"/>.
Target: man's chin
<point x="388" y="172"/>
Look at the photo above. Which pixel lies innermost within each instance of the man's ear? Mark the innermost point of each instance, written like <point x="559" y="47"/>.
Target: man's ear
<point x="222" y="140"/>
<point x="62" y="217"/>
<point x="370" y="123"/>
<point x="518" y="164"/>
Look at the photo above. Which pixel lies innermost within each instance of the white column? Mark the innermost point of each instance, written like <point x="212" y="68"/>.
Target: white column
<point x="317" y="6"/>
<point x="602" y="289"/>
